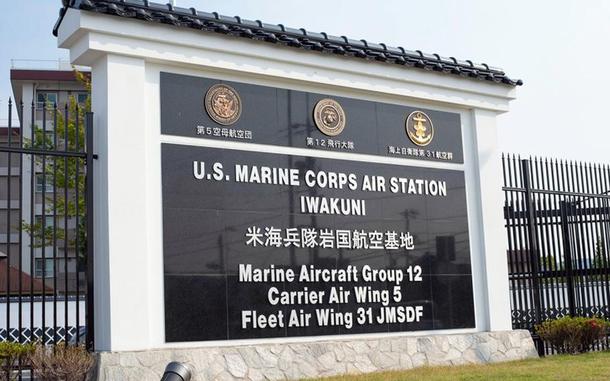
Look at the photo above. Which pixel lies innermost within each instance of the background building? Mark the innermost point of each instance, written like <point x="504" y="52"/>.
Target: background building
<point x="41" y="86"/>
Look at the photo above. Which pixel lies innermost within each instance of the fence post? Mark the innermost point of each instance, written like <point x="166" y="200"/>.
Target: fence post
<point x="533" y="244"/>
<point x="567" y="257"/>
<point x="89" y="208"/>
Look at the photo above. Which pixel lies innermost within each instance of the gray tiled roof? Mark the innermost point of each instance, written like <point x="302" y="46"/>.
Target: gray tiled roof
<point x="290" y="37"/>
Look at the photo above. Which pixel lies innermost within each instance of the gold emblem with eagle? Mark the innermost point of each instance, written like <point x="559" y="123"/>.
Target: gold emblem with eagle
<point x="329" y="117"/>
<point x="419" y="128"/>
<point x="223" y="105"/>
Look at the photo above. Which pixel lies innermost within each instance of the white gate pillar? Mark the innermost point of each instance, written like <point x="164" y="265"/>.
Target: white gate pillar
<point x="121" y="309"/>
<point x="494" y="237"/>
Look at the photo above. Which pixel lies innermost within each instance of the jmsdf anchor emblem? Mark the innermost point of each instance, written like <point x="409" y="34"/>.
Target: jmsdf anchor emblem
<point x="329" y="117"/>
<point x="419" y="128"/>
<point x="223" y="105"/>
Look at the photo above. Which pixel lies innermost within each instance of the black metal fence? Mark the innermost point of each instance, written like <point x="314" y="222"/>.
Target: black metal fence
<point x="557" y="216"/>
<point x="46" y="244"/>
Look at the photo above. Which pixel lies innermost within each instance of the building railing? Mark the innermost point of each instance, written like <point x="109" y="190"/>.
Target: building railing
<point x="28" y="64"/>
<point x="32" y="64"/>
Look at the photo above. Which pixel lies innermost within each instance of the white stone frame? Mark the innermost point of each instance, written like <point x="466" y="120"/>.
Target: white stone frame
<point x="126" y="57"/>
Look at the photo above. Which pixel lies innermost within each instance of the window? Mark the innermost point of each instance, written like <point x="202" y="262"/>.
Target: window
<point x="48" y="98"/>
<point x="81" y="98"/>
<point x="51" y="263"/>
<point x="48" y="180"/>
<point x="45" y="266"/>
<point x="49" y="221"/>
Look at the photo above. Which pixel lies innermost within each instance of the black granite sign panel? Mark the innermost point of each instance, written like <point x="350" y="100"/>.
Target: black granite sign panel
<point x="285" y="117"/>
<point x="260" y="245"/>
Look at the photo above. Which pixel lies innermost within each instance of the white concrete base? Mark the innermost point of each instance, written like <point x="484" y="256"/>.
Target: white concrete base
<point x="318" y="359"/>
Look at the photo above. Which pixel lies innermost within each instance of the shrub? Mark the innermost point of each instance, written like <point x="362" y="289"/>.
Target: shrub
<point x="61" y="362"/>
<point x="573" y="334"/>
<point x="11" y="356"/>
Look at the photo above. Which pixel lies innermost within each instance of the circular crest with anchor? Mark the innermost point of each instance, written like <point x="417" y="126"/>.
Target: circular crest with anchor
<point x="419" y="128"/>
<point x="329" y="117"/>
<point x="223" y="105"/>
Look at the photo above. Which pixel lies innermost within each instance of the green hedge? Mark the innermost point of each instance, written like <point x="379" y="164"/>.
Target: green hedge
<point x="573" y="334"/>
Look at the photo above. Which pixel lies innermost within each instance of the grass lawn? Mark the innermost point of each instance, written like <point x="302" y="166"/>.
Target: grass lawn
<point x="587" y="367"/>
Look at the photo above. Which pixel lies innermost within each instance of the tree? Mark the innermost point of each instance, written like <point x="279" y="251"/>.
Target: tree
<point x="65" y="174"/>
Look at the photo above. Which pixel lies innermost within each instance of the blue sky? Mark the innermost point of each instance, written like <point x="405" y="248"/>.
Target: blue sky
<point x="559" y="48"/>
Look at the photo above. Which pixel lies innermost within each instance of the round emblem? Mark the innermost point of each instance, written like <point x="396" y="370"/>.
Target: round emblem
<point x="223" y="105"/>
<point x="419" y="128"/>
<point x="329" y="117"/>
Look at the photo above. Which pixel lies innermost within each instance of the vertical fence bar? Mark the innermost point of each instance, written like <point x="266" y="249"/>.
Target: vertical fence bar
<point x="514" y="242"/>
<point x="20" y="229"/>
<point x="20" y="225"/>
<point x="567" y="259"/>
<point x="530" y="210"/>
<point x="560" y="246"/>
<point x="604" y="219"/>
<point x="90" y="254"/>
<point x="43" y="230"/>
<point x="599" y="262"/>
<point x="531" y="231"/>
<point x="583" y="302"/>
<point x="32" y="235"/>
<point x="55" y="270"/>
<point x="65" y="217"/>
<point x="521" y="236"/>
<point x="583" y="240"/>
<point x="591" y="212"/>
<point x="8" y="226"/>
<point x="583" y="203"/>
<point x="522" y="263"/>
<point x="77" y="219"/>
<point x="549" y="240"/>
<point x="507" y="211"/>
<point x="543" y="253"/>
<point x="569" y="243"/>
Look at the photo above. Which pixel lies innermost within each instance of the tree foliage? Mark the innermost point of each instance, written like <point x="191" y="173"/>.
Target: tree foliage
<point x="600" y="260"/>
<point x="65" y="131"/>
<point x="11" y="356"/>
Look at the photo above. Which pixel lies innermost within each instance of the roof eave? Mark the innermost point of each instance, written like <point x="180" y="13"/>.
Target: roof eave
<point x="297" y="38"/>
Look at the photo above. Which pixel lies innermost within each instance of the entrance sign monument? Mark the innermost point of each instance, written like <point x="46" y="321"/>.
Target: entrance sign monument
<point x="276" y="203"/>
